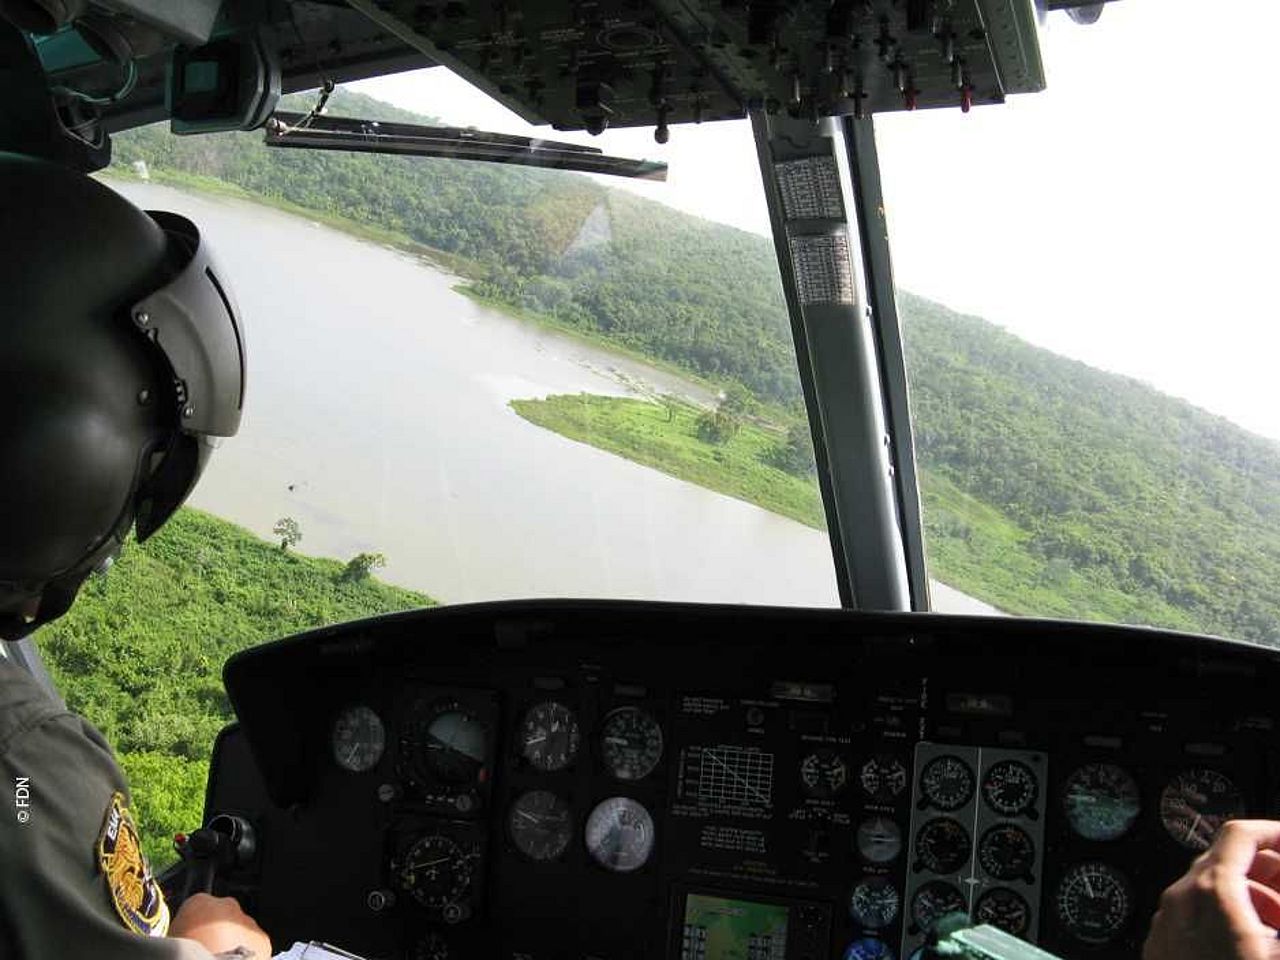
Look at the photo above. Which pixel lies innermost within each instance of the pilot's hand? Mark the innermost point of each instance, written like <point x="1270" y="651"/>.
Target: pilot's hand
<point x="219" y="925"/>
<point x="1227" y="906"/>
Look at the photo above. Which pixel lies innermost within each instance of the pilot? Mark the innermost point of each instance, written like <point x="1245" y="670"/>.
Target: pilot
<point x="1227" y="906"/>
<point x="120" y="360"/>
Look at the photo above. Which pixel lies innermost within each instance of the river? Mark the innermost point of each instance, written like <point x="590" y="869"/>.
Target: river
<point x="377" y="417"/>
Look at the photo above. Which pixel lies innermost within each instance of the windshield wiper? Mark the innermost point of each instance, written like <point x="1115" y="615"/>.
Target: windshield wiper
<point x="312" y="132"/>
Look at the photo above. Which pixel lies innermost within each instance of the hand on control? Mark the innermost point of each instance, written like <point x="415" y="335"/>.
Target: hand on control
<point x="1227" y="906"/>
<point x="219" y="925"/>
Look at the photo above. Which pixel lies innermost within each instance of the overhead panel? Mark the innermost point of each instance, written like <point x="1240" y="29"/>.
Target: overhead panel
<point x="593" y="64"/>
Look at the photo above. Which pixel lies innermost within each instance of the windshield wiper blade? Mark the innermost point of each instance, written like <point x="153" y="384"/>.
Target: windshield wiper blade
<point x="310" y="132"/>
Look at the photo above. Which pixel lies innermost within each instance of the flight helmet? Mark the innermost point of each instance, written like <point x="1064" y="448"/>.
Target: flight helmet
<point x="121" y="360"/>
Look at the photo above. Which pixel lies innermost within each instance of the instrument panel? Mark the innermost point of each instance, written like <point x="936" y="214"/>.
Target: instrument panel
<point x="615" y="780"/>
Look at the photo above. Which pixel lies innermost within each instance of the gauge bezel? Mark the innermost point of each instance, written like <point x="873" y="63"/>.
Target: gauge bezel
<point x="540" y="761"/>
<point x="379" y="749"/>
<point x="516" y="835"/>
<point x="651" y="762"/>
<point x="649" y="839"/>
<point x="1075" y="817"/>
<point x="929" y="792"/>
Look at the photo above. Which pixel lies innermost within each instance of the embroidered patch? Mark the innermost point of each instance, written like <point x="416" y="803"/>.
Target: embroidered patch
<point x="134" y="891"/>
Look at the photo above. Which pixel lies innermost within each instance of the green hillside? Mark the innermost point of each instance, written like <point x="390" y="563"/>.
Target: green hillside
<point x="1049" y="487"/>
<point x="141" y="652"/>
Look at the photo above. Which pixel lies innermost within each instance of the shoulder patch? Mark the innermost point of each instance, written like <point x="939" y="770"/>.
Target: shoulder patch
<point x="134" y="891"/>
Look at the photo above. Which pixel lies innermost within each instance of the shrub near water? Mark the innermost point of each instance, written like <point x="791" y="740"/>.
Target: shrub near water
<point x="141" y="653"/>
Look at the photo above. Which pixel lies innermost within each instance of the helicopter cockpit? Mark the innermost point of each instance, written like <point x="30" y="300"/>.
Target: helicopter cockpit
<point x="891" y="616"/>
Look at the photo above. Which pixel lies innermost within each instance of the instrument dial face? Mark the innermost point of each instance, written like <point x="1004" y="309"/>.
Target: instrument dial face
<point x="630" y="743"/>
<point x="883" y="778"/>
<point x="868" y="948"/>
<point x="874" y="903"/>
<point x="549" y="736"/>
<point x="1093" y="902"/>
<point x="359" y="739"/>
<point x="444" y="742"/>
<point x="1010" y="788"/>
<point x="879" y="840"/>
<point x="823" y="774"/>
<point x="431" y="947"/>
<point x="619" y="834"/>
<point x="942" y="846"/>
<point x="1196" y="803"/>
<point x="436" y="872"/>
<point x="1101" y="801"/>
<point x="1005" y="909"/>
<point x="1007" y="852"/>
<point x="540" y="825"/>
<point x="933" y="901"/>
<point x="947" y="782"/>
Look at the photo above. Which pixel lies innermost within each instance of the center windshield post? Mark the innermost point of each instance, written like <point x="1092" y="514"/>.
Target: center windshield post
<point x="841" y="366"/>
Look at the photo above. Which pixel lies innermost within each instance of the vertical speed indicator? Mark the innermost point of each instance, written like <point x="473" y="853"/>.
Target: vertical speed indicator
<point x="630" y="743"/>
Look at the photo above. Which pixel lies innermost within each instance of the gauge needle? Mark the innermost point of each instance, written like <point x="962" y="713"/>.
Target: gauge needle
<point x="528" y="816"/>
<point x="533" y="740"/>
<point x="429" y="863"/>
<point x="1088" y="887"/>
<point x="1191" y="832"/>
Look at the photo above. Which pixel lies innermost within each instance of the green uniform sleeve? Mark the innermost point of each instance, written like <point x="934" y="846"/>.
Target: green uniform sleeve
<point x="61" y="794"/>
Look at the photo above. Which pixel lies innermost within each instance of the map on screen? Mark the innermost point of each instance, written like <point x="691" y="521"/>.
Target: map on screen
<point x="716" y="928"/>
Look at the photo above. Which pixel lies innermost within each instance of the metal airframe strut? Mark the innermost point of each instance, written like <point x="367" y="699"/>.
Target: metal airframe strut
<point x="845" y="327"/>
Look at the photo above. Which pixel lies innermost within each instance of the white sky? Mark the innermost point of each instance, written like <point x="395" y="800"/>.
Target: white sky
<point x="1127" y="217"/>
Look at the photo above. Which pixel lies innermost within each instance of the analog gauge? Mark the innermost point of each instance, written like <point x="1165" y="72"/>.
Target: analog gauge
<point x="1196" y="803"/>
<point x="1005" y="909"/>
<point x="868" y="948"/>
<point x="549" y="736"/>
<point x="946" y="783"/>
<point x="933" y="901"/>
<point x="1010" y="788"/>
<point x="436" y="872"/>
<point x="540" y="825"/>
<point x="1101" y="801"/>
<point x="359" y="739"/>
<point x="823" y="774"/>
<point x="879" y="840"/>
<point x="874" y="903"/>
<point x="1007" y="852"/>
<point x="630" y="743"/>
<point x="883" y="778"/>
<point x="1093" y="902"/>
<point x="942" y="846"/>
<point x="619" y="834"/>
<point x="443" y="741"/>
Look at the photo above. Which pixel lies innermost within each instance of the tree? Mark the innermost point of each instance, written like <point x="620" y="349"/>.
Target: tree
<point x="361" y="566"/>
<point x="795" y="453"/>
<point x="289" y="532"/>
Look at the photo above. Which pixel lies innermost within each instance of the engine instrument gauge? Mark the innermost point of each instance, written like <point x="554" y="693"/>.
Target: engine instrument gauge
<point x="1101" y="801"/>
<point x="431" y="947"/>
<point x="1196" y="803"/>
<point x="358" y="739"/>
<point x="933" y="901"/>
<point x="549" y="736"/>
<point x="946" y="783"/>
<point x="1093" y="902"/>
<point x="942" y="846"/>
<point x="883" y="778"/>
<point x="868" y="948"/>
<point x="620" y="835"/>
<point x="1010" y="788"/>
<point x="630" y="743"/>
<point x="874" y="903"/>
<point x="1007" y="852"/>
<point x="540" y="825"/>
<point x="879" y="840"/>
<point x="1004" y="908"/>
<point x="436" y="872"/>
<point x="823" y="774"/>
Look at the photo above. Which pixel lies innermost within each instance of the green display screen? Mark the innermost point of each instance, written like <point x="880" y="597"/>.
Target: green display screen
<point x="716" y="928"/>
